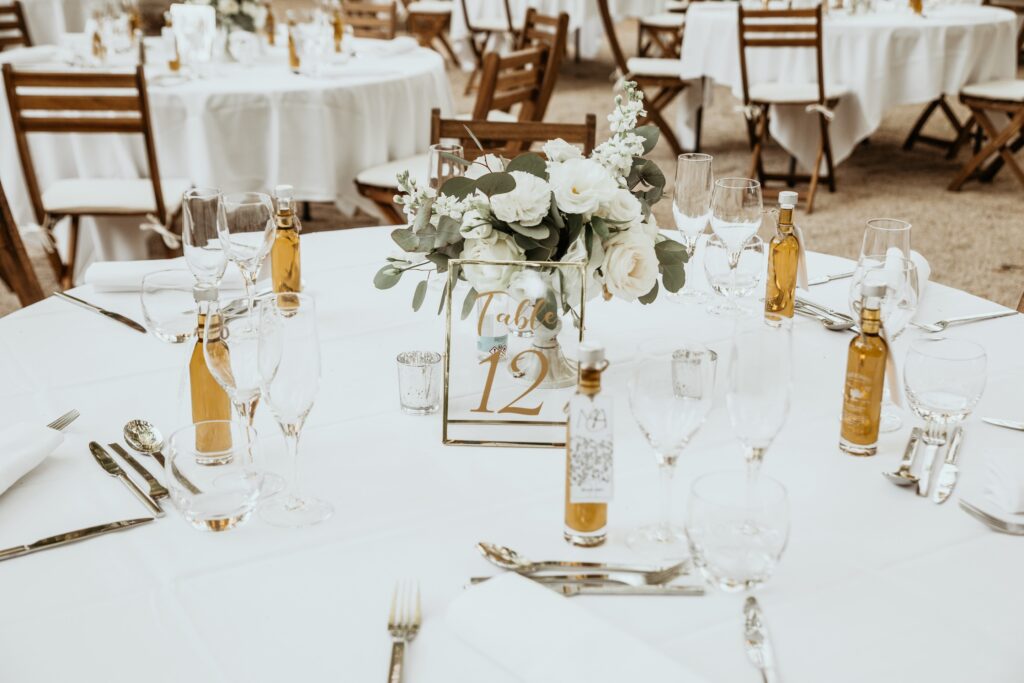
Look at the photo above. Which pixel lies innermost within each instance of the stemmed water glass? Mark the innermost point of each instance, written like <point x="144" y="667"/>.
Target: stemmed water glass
<point x="760" y="385"/>
<point x="246" y="228"/>
<point x="230" y="343"/>
<point x="691" y="208"/>
<point x="200" y="236"/>
<point x="733" y="280"/>
<point x="168" y="305"/>
<point x="882" y="237"/>
<point x="736" y="209"/>
<point x="670" y="394"/>
<point x="289" y="367"/>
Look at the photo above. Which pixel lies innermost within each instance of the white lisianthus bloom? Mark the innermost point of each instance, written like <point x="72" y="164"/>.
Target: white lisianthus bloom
<point x="630" y="265"/>
<point x="527" y="204"/>
<point x="475" y="226"/>
<point x="622" y="207"/>
<point x="558" y="150"/>
<point x="497" y="247"/>
<point x="580" y="185"/>
<point x="578" y="252"/>
<point x="481" y="166"/>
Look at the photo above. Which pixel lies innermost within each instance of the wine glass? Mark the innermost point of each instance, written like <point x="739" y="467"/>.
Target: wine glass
<point x="733" y="280"/>
<point x="736" y="209"/>
<point x="442" y="167"/>
<point x="691" y="208"/>
<point x="230" y="345"/>
<point x="168" y="305"/>
<point x="760" y="384"/>
<point x="200" y="236"/>
<point x="247" y="228"/>
<point x="288" y="354"/>
<point x="945" y="379"/>
<point x="881" y="237"/>
<point x="737" y="529"/>
<point x="670" y="394"/>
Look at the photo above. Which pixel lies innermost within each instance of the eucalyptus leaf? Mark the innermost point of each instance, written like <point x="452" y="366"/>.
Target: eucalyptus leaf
<point x="600" y="227"/>
<point x="419" y="295"/>
<point x="650" y="134"/>
<point x="387" y="277"/>
<point x="467" y="304"/>
<point x="670" y="252"/>
<point x="673" y="276"/>
<point x="423" y="217"/>
<point x="529" y="162"/>
<point x="439" y="260"/>
<point x="537" y="232"/>
<point x="496" y="183"/>
<point x="444" y="297"/>
<point x="455" y="159"/>
<point x="459" y="187"/>
<point x="447" y="232"/>
<point x="539" y="254"/>
<point x="650" y="296"/>
<point x="405" y="238"/>
<point x="556" y="216"/>
<point x="524" y="242"/>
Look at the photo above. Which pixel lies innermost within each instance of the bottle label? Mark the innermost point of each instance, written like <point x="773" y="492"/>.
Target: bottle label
<point x="861" y="408"/>
<point x="488" y="345"/>
<point x="590" y="450"/>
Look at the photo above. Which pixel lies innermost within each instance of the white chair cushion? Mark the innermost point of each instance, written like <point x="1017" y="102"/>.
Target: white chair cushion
<point x="384" y="175"/>
<point x="648" y="66"/>
<point x="664" y="20"/>
<point x="104" y="195"/>
<point x="676" y="5"/>
<point x="792" y="93"/>
<point x="495" y="25"/>
<point x="493" y="115"/>
<point x="1008" y="90"/>
<point x="430" y="7"/>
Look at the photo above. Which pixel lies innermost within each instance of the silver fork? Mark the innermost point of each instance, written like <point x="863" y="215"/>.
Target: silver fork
<point x="403" y="625"/>
<point x="941" y="325"/>
<point x="991" y="522"/>
<point x="62" y="422"/>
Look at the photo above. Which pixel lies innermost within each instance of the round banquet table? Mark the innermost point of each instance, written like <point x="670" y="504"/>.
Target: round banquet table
<point x="876" y="584"/>
<point x="883" y="60"/>
<point x="251" y="128"/>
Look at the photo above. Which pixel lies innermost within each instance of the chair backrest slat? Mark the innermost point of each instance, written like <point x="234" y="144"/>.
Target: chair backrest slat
<point x="780" y="28"/>
<point x="12" y="22"/>
<point x="471" y="27"/>
<point x="552" y="33"/>
<point x="372" y="19"/>
<point x="507" y="138"/>
<point x="119" y="103"/>
<point x="15" y="267"/>
<point x="511" y="79"/>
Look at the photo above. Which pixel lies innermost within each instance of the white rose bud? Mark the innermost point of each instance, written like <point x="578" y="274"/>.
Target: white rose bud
<point x="527" y="204"/>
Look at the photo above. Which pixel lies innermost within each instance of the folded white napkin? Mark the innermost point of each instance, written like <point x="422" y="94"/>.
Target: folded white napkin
<point x="893" y="259"/>
<point x="22" y="448"/>
<point x="540" y="636"/>
<point x="1004" y="480"/>
<point x="126" y="276"/>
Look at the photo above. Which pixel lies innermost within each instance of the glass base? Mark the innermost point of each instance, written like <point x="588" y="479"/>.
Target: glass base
<point x="891" y="420"/>
<point x="659" y="542"/>
<point x="688" y="296"/>
<point x="728" y="308"/>
<point x="273" y="484"/>
<point x="430" y="410"/>
<point x="289" y="511"/>
<point x="857" y="449"/>
<point x="584" y="539"/>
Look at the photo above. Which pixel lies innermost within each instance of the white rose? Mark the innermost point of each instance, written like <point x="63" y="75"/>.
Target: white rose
<point x="475" y="225"/>
<point x="650" y="228"/>
<point x="630" y="265"/>
<point x="527" y="204"/>
<point x="497" y="247"/>
<point x="558" y="150"/>
<point x="481" y="166"/>
<point x="622" y="207"/>
<point x="580" y="185"/>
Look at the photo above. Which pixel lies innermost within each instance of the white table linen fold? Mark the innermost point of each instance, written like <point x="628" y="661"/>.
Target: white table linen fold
<point x="22" y="448"/>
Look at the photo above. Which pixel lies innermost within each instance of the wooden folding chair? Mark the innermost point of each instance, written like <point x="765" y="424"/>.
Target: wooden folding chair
<point x="16" y="269"/>
<point x="661" y="35"/>
<point x="506" y="139"/>
<point x="959" y="128"/>
<point x="1002" y="96"/>
<point x="541" y="30"/>
<point x="13" y="28"/>
<point x="510" y="90"/>
<point x="1020" y="304"/>
<point x="429" y="21"/>
<point x="84" y="102"/>
<point x="659" y="75"/>
<point x="786" y="28"/>
<point x="480" y="32"/>
<point x="371" y="19"/>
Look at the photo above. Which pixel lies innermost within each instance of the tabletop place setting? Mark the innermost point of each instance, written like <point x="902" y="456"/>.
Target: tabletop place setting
<point x="562" y="387"/>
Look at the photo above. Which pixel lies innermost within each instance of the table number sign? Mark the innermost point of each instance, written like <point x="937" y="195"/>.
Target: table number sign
<point x="508" y="364"/>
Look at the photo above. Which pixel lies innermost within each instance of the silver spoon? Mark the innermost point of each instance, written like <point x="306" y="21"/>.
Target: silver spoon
<point x="902" y="475"/>
<point x="829" y="323"/>
<point x="506" y="558"/>
<point x="142" y="436"/>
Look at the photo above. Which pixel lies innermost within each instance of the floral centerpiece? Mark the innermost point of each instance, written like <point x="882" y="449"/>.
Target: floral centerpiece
<point x="564" y="208"/>
<point x="243" y="15"/>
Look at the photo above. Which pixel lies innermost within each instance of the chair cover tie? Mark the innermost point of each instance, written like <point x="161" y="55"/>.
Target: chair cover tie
<point x="751" y="112"/>
<point x="153" y="224"/>
<point x="820" y="109"/>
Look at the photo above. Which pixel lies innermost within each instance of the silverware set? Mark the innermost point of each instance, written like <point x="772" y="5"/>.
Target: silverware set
<point x="117" y="317"/>
<point x="992" y="522"/>
<point x="938" y="477"/>
<point x="758" y="645"/>
<point x="941" y="325"/>
<point x="831" y="320"/>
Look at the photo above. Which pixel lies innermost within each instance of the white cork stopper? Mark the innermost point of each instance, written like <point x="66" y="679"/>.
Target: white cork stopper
<point x="787" y="199"/>
<point x="591" y="354"/>
<point x="284" y="191"/>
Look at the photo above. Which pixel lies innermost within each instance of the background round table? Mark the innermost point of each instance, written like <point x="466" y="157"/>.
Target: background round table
<point x="48" y="19"/>
<point x="884" y="59"/>
<point x="876" y="585"/>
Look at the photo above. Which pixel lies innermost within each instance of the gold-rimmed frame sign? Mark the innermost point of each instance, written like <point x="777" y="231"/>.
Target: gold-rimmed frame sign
<point x="498" y="395"/>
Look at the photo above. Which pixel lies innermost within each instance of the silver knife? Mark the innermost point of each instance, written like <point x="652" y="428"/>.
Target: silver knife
<point x="759" y="646"/>
<point x="571" y="589"/>
<point x="114" y="470"/>
<point x="1008" y="424"/>
<point x="71" y="537"/>
<point x="828" y="278"/>
<point x="949" y="472"/>
<point x="102" y="311"/>
<point x="156" y="489"/>
<point x="593" y="579"/>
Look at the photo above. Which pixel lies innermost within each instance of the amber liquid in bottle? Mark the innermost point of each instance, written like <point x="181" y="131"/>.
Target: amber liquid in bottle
<point x="339" y="27"/>
<point x="285" y="263"/>
<point x="865" y="380"/>
<point x="293" y="53"/>
<point x="209" y="401"/>
<point x="585" y="523"/>
<point x="783" y="264"/>
<point x="174" y="61"/>
<point x="270" y="26"/>
<point x="917" y="6"/>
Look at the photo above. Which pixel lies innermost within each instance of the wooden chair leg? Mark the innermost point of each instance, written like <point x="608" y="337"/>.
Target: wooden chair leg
<point x="995" y="145"/>
<point x="654" y="106"/>
<point x="826" y="141"/>
<point x="815" y="173"/>
<point x="915" y="132"/>
<point x="961" y="139"/>
<point x="68" y="277"/>
<point x="383" y="199"/>
<point x="51" y="252"/>
<point x="989" y="173"/>
<point x="791" y="181"/>
<point x="446" y="44"/>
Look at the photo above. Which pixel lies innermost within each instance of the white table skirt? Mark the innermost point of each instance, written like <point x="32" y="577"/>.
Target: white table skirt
<point x="876" y="584"/>
<point x="884" y="60"/>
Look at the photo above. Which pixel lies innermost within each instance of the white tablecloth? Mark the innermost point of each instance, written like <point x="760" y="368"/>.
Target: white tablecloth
<point x="251" y="128"/>
<point x="884" y="59"/>
<point x="48" y="19"/>
<point x="876" y="584"/>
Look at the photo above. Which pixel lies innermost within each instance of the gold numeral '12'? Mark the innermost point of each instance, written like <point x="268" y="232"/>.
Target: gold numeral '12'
<point x="493" y="360"/>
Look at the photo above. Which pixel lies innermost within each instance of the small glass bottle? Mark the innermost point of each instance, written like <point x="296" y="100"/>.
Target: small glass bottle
<point x="270" y="24"/>
<point x="338" y="22"/>
<point x="209" y="400"/>
<point x="865" y="378"/>
<point x="285" y="261"/>
<point x="783" y="261"/>
<point x="293" y="53"/>
<point x="589" y="453"/>
<point x="171" y="42"/>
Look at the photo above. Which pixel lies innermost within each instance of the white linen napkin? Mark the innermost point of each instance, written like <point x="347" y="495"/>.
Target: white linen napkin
<point x="1004" y="480"/>
<point x="892" y="262"/>
<point x="126" y="276"/>
<point x="540" y="637"/>
<point x="22" y="448"/>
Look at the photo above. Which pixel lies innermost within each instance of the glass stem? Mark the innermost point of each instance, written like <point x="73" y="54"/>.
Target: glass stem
<point x="666" y="472"/>
<point x="755" y="456"/>
<point x="250" y="292"/>
<point x="291" y="437"/>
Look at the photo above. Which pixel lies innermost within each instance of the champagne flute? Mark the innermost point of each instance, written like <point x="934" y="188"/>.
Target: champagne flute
<point x="670" y="394"/>
<point x="246" y="226"/>
<point x="736" y="208"/>
<point x="760" y="385"/>
<point x="288" y="354"/>
<point x="691" y="208"/>
<point x="204" y="252"/>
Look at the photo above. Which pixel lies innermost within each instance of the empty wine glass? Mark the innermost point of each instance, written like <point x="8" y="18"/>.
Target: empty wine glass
<point x="736" y="209"/>
<point x="881" y="237"/>
<point x="247" y="229"/>
<point x="200" y="236"/>
<point x="691" y="208"/>
<point x="945" y="379"/>
<point x="289" y="365"/>
<point x="670" y="394"/>
<point x="760" y="384"/>
<point x="731" y="280"/>
<point x="737" y="528"/>
<point x="230" y="344"/>
<point x="168" y="305"/>
<point x="442" y="167"/>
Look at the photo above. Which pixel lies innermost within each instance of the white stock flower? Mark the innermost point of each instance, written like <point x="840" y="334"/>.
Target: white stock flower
<point x="616" y="154"/>
<point x="558" y="150"/>
<point x="527" y="204"/>
<point x="496" y="247"/>
<point x="622" y="207"/>
<point x="580" y="185"/>
<point x="630" y="265"/>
